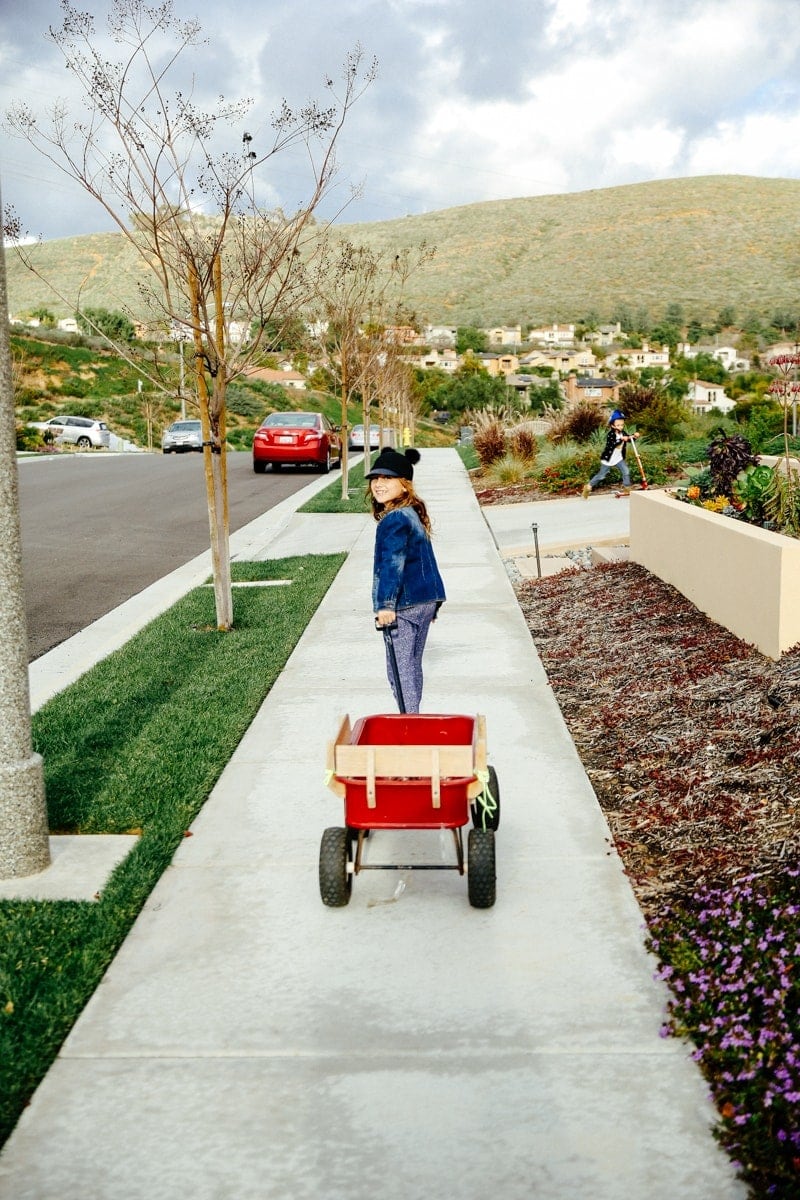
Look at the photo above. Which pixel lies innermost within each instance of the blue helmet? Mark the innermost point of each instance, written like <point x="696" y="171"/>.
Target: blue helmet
<point x="616" y="416"/>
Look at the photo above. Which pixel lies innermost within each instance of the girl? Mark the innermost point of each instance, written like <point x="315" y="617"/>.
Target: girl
<point x="407" y="589"/>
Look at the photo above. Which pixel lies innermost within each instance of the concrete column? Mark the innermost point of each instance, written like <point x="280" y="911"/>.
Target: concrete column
<point x="24" y="846"/>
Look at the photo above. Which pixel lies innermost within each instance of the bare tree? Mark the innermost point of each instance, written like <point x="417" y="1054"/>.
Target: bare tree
<point x="222" y="268"/>
<point x="359" y="296"/>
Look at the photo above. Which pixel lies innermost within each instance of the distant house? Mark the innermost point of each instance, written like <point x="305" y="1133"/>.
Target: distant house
<point x="526" y="385"/>
<point x="777" y="349"/>
<point x="445" y="359"/>
<point x="586" y="389"/>
<point x="639" y="358"/>
<point x="498" y="364"/>
<point x="402" y="335"/>
<point x="562" y="361"/>
<point x="68" y="325"/>
<point x="727" y="355"/>
<point x="553" y="335"/>
<point x="440" y="336"/>
<point x="504" y="335"/>
<point x="286" y="378"/>
<point x="605" y="335"/>
<point x="238" y="332"/>
<point x="702" y="397"/>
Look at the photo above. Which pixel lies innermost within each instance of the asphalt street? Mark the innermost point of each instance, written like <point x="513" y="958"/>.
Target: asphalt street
<point x="99" y="528"/>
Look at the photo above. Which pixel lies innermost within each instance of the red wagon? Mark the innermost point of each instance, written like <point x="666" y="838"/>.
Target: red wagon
<point x="411" y="771"/>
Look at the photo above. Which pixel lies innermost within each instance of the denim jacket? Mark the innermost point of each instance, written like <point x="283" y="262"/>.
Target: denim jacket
<point x="405" y="570"/>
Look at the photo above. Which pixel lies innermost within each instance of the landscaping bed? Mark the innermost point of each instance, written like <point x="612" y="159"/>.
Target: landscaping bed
<point x="691" y="739"/>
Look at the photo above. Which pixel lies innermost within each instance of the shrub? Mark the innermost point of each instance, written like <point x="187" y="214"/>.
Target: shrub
<point x="653" y="409"/>
<point x="577" y="424"/>
<point x="523" y="444"/>
<point x="783" y="504"/>
<point x="489" y="442"/>
<point x="752" y="489"/>
<point x="240" y="439"/>
<point x="27" y="438"/>
<point x="249" y="401"/>
<point x="508" y="469"/>
<point x="727" y="456"/>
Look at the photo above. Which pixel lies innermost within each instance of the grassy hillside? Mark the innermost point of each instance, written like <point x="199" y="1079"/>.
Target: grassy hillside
<point x="704" y="243"/>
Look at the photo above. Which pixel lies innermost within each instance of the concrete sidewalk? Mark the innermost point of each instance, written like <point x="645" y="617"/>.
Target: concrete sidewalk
<point x="248" y="1043"/>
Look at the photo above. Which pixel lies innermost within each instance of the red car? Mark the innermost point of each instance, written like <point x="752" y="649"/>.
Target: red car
<point x="297" y="439"/>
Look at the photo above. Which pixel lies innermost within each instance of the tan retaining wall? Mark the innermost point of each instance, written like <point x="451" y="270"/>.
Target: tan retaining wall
<point x="744" y="578"/>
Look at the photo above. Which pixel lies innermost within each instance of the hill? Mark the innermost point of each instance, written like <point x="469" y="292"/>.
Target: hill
<point x="704" y="243"/>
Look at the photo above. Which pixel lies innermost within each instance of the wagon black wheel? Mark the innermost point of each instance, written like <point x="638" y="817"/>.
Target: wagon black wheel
<point x="84" y="443"/>
<point x="335" y="881"/>
<point x="479" y="814"/>
<point x="481" y="875"/>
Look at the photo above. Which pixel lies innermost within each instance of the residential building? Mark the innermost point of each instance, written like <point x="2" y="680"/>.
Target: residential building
<point x="587" y="389"/>
<point x="498" y="364"/>
<point x="285" y="376"/>
<point x="779" y="348"/>
<point x="702" y="397"/>
<point x="636" y="359"/>
<point x="553" y="335"/>
<point x="605" y="335"/>
<point x="526" y="385"/>
<point x="68" y="325"/>
<point x="445" y="359"/>
<point x="403" y="335"/>
<point x="504" y="335"/>
<point x="440" y="336"/>
<point x="561" y="361"/>
<point x="727" y="355"/>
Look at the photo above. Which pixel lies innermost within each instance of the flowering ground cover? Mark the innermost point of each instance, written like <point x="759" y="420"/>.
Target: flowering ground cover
<point x="691" y="740"/>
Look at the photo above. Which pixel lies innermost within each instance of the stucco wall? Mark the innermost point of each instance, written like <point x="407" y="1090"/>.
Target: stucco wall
<point x="744" y="578"/>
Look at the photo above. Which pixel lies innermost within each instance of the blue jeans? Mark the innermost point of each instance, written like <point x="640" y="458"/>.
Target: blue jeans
<point x="605" y="467"/>
<point x="408" y="638"/>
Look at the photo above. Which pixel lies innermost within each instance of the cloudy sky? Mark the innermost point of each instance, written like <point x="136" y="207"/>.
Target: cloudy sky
<point x="472" y="101"/>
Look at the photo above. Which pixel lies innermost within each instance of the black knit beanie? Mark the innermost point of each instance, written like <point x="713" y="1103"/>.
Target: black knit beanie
<point x="394" y="464"/>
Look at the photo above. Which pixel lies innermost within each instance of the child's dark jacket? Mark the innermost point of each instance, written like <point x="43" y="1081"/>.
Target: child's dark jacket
<point x="613" y="439"/>
<point x="405" y="570"/>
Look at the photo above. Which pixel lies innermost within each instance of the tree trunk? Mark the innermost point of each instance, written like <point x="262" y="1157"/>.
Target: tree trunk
<point x="345" y="436"/>
<point x="24" y="844"/>
<point x="215" y="463"/>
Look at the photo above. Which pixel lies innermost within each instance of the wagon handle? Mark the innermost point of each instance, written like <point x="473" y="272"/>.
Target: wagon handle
<point x="386" y="630"/>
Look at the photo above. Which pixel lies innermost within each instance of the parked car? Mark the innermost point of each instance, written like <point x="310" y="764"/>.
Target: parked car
<point x="182" y="436"/>
<point x="355" y="440"/>
<point x="296" y="439"/>
<point x="83" y="432"/>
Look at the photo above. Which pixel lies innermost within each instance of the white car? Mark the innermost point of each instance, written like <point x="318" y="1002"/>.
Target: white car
<point x="182" y="436"/>
<point x="355" y="440"/>
<point x="83" y="432"/>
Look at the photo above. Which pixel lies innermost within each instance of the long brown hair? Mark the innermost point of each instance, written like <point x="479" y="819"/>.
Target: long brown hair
<point x="409" y="499"/>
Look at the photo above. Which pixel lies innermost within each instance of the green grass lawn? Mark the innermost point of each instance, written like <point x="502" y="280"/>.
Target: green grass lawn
<point x="137" y="744"/>
<point x="329" y="500"/>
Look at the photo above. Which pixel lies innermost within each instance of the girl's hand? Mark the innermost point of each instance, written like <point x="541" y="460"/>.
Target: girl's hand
<point x="385" y="616"/>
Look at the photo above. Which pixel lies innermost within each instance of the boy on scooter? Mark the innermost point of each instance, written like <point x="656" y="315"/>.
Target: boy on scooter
<point x="613" y="454"/>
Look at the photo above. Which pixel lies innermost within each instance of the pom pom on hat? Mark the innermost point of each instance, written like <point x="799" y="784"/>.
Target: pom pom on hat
<point x="394" y="464"/>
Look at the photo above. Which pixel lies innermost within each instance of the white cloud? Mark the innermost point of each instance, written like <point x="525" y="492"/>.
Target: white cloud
<point x="559" y="95"/>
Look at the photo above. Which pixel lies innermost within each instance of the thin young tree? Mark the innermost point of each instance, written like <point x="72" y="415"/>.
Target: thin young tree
<point x="165" y="170"/>
<point x="359" y="296"/>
